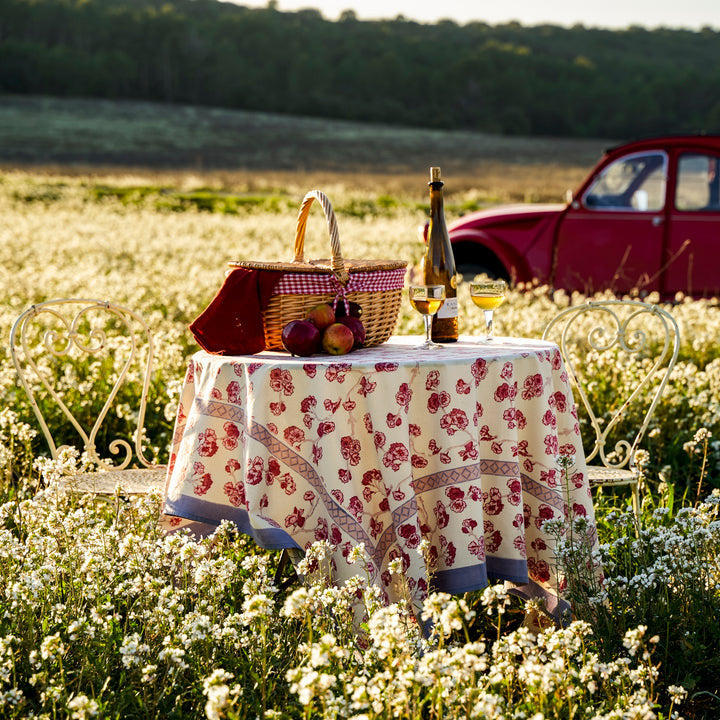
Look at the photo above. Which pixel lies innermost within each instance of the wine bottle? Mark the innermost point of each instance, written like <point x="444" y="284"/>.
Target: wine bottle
<point x="438" y="264"/>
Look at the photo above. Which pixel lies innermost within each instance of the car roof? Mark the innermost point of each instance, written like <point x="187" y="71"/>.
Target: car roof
<point x="699" y="140"/>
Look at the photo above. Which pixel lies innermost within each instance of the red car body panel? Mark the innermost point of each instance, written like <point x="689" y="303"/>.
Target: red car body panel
<point x="647" y="217"/>
<point x="520" y="237"/>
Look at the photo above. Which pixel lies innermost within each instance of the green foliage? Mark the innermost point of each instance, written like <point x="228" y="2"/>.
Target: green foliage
<point x="100" y="610"/>
<point x="543" y="80"/>
<point x="126" y="195"/>
<point x="661" y="572"/>
<point x="104" y="613"/>
<point x="211" y="200"/>
<point x="207" y="200"/>
<point x="42" y="193"/>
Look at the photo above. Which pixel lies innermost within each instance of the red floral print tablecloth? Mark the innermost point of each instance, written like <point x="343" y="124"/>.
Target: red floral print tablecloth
<point x="387" y="446"/>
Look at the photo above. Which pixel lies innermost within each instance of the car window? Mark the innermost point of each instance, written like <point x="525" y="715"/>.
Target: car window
<point x="698" y="182"/>
<point x="635" y="182"/>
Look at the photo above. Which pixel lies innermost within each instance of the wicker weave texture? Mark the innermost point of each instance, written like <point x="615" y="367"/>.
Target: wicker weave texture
<point x="380" y="307"/>
<point x="380" y="311"/>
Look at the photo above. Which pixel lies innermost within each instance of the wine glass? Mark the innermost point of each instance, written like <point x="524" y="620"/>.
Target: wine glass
<point x="427" y="299"/>
<point x="488" y="295"/>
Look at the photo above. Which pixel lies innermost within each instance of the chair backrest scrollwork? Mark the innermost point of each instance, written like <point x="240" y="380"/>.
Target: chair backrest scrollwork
<point x="636" y="330"/>
<point x="50" y="336"/>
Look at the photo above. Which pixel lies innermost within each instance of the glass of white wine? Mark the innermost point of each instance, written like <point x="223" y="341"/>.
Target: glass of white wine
<point x="488" y="295"/>
<point x="427" y="299"/>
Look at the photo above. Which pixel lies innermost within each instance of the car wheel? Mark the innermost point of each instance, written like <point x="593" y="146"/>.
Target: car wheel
<point x="471" y="260"/>
<point x="470" y="271"/>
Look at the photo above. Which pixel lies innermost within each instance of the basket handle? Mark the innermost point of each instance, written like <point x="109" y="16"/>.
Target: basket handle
<point x="338" y="264"/>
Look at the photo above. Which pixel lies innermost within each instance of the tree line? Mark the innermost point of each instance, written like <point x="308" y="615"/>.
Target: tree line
<point x="509" y="78"/>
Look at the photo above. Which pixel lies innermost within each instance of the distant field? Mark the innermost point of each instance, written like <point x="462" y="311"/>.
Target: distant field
<point x="231" y="148"/>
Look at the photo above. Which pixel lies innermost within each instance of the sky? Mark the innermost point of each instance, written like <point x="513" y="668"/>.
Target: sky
<point x="615" y="14"/>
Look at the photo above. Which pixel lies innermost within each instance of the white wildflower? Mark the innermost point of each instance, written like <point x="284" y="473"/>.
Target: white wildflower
<point x="356" y="554"/>
<point x="82" y="707"/>
<point x="12" y="697"/>
<point x="132" y="650"/>
<point x="423" y="548"/>
<point x="173" y="655"/>
<point x="219" y="694"/>
<point x="296" y="604"/>
<point x="677" y="693"/>
<point x="632" y="640"/>
<point x="258" y="606"/>
<point x="642" y="458"/>
<point x="51" y="647"/>
<point x="495" y="597"/>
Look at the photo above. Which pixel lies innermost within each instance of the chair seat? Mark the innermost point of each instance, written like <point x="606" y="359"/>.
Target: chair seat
<point x="599" y="475"/>
<point x="139" y="481"/>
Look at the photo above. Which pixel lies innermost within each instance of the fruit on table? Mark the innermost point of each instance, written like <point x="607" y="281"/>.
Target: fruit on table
<point x="301" y="337"/>
<point x="355" y="309"/>
<point x="321" y="316"/>
<point x="358" y="329"/>
<point x="338" y="339"/>
<point x="320" y="331"/>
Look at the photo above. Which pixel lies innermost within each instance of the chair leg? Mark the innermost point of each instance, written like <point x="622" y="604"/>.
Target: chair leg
<point x="283" y="563"/>
<point x="636" y="500"/>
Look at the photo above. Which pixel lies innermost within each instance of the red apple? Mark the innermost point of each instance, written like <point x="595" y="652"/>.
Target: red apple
<point x="301" y="337"/>
<point x="338" y="339"/>
<point x="358" y="329"/>
<point x="321" y="316"/>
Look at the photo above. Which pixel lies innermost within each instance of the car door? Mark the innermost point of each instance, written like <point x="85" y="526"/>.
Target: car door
<point x="693" y="251"/>
<point x="612" y="236"/>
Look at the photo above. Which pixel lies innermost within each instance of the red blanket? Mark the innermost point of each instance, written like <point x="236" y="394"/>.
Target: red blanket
<point x="232" y="323"/>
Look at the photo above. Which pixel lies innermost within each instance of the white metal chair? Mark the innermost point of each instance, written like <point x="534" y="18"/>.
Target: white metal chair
<point x="49" y="342"/>
<point x="641" y="335"/>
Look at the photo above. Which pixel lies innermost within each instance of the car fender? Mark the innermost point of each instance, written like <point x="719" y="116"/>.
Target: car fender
<point x="515" y="265"/>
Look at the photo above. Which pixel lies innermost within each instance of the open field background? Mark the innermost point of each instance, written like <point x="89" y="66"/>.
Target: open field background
<point x="102" y="616"/>
<point x="158" y="237"/>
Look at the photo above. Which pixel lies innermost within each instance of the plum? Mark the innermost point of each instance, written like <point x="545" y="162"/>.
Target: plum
<point x="301" y="337"/>
<point x="358" y="329"/>
<point x="355" y="309"/>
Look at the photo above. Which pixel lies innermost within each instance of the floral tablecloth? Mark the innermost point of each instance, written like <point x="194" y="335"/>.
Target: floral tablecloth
<point x="387" y="446"/>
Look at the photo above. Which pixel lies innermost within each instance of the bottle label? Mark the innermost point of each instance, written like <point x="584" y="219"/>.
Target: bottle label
<point x="449" y="309"/>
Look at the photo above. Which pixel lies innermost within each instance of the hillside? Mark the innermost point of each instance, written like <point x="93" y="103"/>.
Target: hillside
<point x="47" y="131"/>
<point x="509" y="79"/>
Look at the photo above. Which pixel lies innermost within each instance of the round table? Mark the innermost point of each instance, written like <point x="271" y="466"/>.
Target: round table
<point x="388" y="446"/>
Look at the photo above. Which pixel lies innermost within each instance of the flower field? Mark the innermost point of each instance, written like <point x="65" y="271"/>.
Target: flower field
<point x="103" y="616"/>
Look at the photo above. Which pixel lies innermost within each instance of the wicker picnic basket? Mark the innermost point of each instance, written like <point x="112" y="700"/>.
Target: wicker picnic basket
<point x="375" y="285"/>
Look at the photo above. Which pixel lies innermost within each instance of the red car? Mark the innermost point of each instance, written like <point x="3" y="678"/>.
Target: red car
<point x="647" y="218"/>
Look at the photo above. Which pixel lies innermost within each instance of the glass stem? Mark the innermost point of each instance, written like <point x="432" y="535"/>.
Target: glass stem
<point x="427" y="319"/>
<point x="488" y="323"/>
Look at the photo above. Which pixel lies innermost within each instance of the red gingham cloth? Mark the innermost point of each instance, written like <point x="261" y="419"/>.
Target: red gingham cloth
<point x="319" y="284"/>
